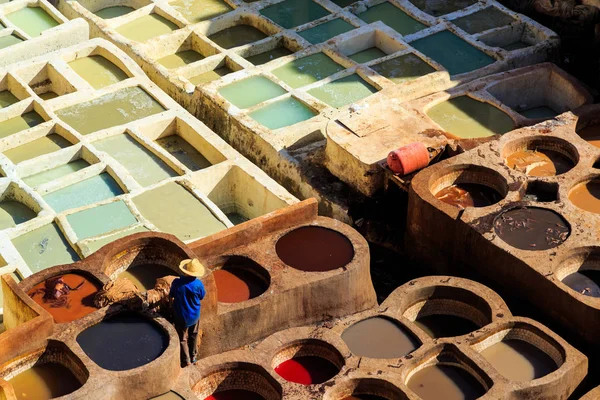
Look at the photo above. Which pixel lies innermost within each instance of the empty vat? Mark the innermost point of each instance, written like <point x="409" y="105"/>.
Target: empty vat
<point x="282" y="113"/>
<point x="251" y="91"/>
<point x="541" y="112"/>
<point x="102" y="219"/>
<point x="467" y="118"/>
<point x="240" y="279"/>
<point x="20" y="123"/>
<point x="367" y="55"/>
<point x="344" y="91"/>
<point x="465" y="195"/>
<point x="236" y="218"/>
<point x="591" y="134"/>
<point x="403" y="68"/>
<point x="393" y="17"/>
<point x="32" y="20"/>
<point x="326" y="31"/>
<point x="306" y="70"/>
<point x="13" y="213"/>
<point x="134" y="341"/>
<point x="98" y="71"/>
<point x="237" y="35"/>
<point x="210" y="76"/>
<point x="88" y="191"/>
<point x="180" y="59"/>
<point x="532" y="228"/>
<point x="54" y="173"/>
<point x="292" y="13"/>
<point x="269" y="55"/>
<point x="9" y="40"/>
<point x="539" y="162"/>
<point x="187" y="154"/>
<point x="584" y="281"/>
<point x="144" y="276"/>
<point x="114" y="12"/>
<point x="586" y="196"/>
<point x="442" y="7"/>
<point x="147" y="27"/>
<point x="38" y="147"/>
<point x="483" y="20"/>
<point x="446" y="382"/>
<point x="444" y="325"/>
<point x="379" y="337"/>
<point x="7" y="99"/>
<point x="307" y="370"/>
<point x="314" y="249"/>
<point x="200" y="10"/>
<point x="518" y="360"/>
<point x="44" y="381"/>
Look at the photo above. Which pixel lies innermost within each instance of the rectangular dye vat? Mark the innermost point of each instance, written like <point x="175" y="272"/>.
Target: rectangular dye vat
<point x="147" y="27"/>
<point x="326" y="31"/>
<point x="55" y="173"/>
<point x="393" y="17"/>
<point x="197" y="11"/>
<point x="98" y="71"/>
<point x="36" y="148"/>
<point x="292" y="13"/>
<point x="20" y="123"/>
<point x="32" y="20"/>
<point x="344" y="91"/>
<point x="102" y="219"/>
<point x="88" y="191"/>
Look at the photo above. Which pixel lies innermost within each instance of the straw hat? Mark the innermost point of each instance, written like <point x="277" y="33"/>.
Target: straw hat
<point x="192" y="268"/>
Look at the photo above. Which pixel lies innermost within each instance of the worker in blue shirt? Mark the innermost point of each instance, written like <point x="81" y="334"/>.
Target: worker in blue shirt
<point x="186" y="293"/>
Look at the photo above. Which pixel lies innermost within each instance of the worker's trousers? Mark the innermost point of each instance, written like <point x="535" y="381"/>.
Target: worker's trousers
<point x="188" y="337"/>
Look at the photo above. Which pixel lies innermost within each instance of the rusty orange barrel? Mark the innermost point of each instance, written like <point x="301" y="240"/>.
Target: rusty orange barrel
<point x="408" y="158"/>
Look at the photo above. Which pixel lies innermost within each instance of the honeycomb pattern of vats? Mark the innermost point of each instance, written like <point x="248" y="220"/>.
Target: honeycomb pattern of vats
<point x="473" y="236"/>
<point x="270" y="144"/>
<point x="68" y="210"/>
<point x="253" y="370"/>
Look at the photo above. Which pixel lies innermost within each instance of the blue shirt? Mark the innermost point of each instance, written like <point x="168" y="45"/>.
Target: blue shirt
<point x="187" y="292"/>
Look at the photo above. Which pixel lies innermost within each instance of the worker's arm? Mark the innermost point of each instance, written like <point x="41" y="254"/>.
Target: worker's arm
<point x="201" y="290"/>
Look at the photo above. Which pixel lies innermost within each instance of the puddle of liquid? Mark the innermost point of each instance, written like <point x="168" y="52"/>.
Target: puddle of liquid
<point x="445" y="382"/>
<point x="44" y="247"/>
<point x="453" y="53"/>
<point x="403" y="69"/>
<point x="591" y="134"/>
<point x="144" y="276"/>
<point x="114" y="12"/>
<point x="306" y="70"/>
<point x="539" y="162"/>
<point x="344" y="91"/>
<point x="282" y="113"/>
<point x="145" y="167"/>
<point x="200" y="10"/>
<point x="292" y="13"/>
<point x="55" y="173"/>
<point x="236" y="282"/>
<point x="49" y="95"/>
<point x="236" y="218"/>
<point x="77" y="303"/>
<point x="393" y="17"/>
<point x="326" y="31"/>
<point x="168" y="396"/>
<point x="135" y="341"/>
<point x="542" y="112"/>
<point x="18" y="279"/>
<point x="584" y="281"/>
<point x="515" y="46"/>
<point x="9" y="40"/>
<point x="179" y="148"/>
<point x="32" y="20"/>
<point x="102" y="219"/>
<point x="235" y="394"/>
<point x="117" y="108"/>
<point x="88" y="191"/>
<point x="379" y="337"/>
<point x="180" y="59"/>
<point x="44" y="381"/>
<point x="172" y="209"/>
<point x="13" y="213"/>
<point x="98" y="71"/>
<point x="586" y="196"/>
<point x="237" y="35"/>
<point x="465" y="195"/>
<point x="269" y="55"/>
<point x="210" y="76"/>
<point x="20" y="123"/>
<point x="251" y="91"/>
<point x="483" y="20"/>
<point x="146" y="28"/>
<point x="467" y="118"/>
<point x="518" y="360"/>
<point x="38" y="147"/>
<point x="441" y="7"/>
<point x="307" y="370"/>
<point x="531" y="228"/>
<point x="7" y="99"/>
<point x="367" y="55"/>
<point x="443" y="325"/>
<point x="95" y="245"/>
<point x="314" y="249"/>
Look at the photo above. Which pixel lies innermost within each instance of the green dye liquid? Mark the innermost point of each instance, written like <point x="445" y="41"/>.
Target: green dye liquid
<point x="542" y="112"/>
<point x="200" y="10"/>
<point x="45" y="247"/>
<point x="393" y="17"/>
<point x="145" y="167"/>
<point x="38" y="147"/>
<point x="307" y="70"/>
<point x="292" y="13"/>
<point x="13" y="213"/>
<point x="209" y="76"/>
<point x="9" y="40"/>
<point x="110" y="110"/>
<point x="98" y="71"/>
<point x="95" y="245"/>
<point x="86" y="192"/>
<point x="282" y="113"/>
<point x="180" y="59"/>
<point x="404" y="68"/>
<point x="49" y="95"/>
<point x="343" y="91"/>
<point x="146" y="28"/>
<point x="102" y="219"/>
<point x="515" y="46"/>
<point x="238" y="35"/>
<point x="441" y="7"/>
<point x="467" y="118"/>
<point x="32" y="20"/>
<point x="20" y="123"/>
<point x="179" y="148"/>
<point x="483" y="20"/>
<point x="55" y="173"/>
<point x="172" y="209"/>
<point x="270" y="55"/>
<point x="326" y="31"/>
<point x="114" y="12"/>
<point x="7" y="99"/>
<point x="456" y="55"/>
<point x="251" y="91"/>
<point x="367" y="55"/>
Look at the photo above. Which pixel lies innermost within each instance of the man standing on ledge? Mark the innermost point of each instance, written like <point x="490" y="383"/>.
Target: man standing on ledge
<point x="186" y="293"/>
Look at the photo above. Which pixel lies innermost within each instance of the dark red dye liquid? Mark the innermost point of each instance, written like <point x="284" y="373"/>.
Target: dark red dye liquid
<point x="307" y="370"/>
<point x="235" y="394"/>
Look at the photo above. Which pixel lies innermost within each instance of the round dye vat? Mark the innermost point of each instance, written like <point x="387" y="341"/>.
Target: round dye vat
<point x="531" y="228"/>
<point x="144" y="276"/>
<point x="235" y="394"/>
<point x="445" y="382"/>
<point x="443" y="325"/>
<point x="586" y="196"/>
<point x="539" y="162"/>
<point x="66" y="297"/>
<point x="591" y="134"/>
<point x="518" y="360"/>
<point x="44" y="381"/>
<point x="123" y="342"/>
<point x="586" y="282"/>
<point x="379" y="338"/>
<point x="307" y="370"/>
<point x="238" y="280"/>
<point x="465" y="195"/>
<point x="315" y="249"/>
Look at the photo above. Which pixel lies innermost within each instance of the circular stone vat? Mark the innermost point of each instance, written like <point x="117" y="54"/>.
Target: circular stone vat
<point x="66" y="297"/>
<point x="144" y="276"/>
<point x="44" y="381"/>
<point x="379" y="337"/>
<point x="442" y="325"/>
<point x="581" y="271"/>
<point x="240" y="279"/>
<point x="446" y="382"/>
<point x="540" y="156"/>
<point x="365" y="389"/>
<point x="308" y="362"/>
<point x="123" y="342"/>
<point x="590" y="133"/>
<point x="235" y="394"/>
<point x="315" y="249"/>
<point x="237" y="381"/>
<point x="519" y="360"/>
<point x="586" y="195"/>
<point x="468" y="195"/>
<point x="531" y="228"/>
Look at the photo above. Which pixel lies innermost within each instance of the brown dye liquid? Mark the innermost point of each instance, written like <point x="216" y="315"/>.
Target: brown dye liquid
<point x="445" y="382"/>
<point x="236" y="284"/>
<point x="530" y="228"/>
<point x="44" y="381"/>
<point x="518" y="360"/>
<point x="76" y="304"/>
<point x="314" y="249"/>
<point x="442" y="325"/>
<point x="465" y="195"/>
<point x="379" y="338"/>
<point x="144" y="276"/>
<point x="591" y="134"/>
<point x="584" y="281"/>
<point x="586" y="196"/>
<point x="539" y="162"/>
